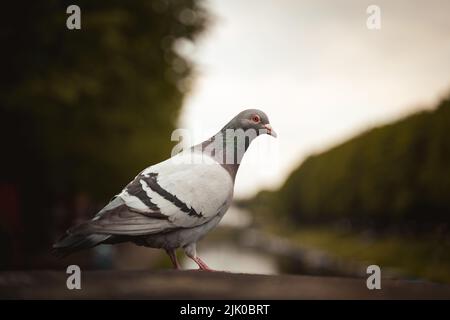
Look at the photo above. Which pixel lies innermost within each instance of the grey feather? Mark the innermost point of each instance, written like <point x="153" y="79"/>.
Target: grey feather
<point x="75" y="242"/>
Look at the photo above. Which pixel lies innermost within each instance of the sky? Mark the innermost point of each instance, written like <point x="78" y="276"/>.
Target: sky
<point x="317" y="71"/>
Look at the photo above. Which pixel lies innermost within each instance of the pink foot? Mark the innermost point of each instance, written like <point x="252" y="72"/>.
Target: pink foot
<point x="202" y="265"/>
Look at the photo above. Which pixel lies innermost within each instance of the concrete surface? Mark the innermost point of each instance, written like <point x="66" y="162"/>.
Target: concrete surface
<point x="205" y="285"/>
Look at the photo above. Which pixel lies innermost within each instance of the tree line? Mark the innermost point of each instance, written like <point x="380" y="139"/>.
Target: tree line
<point x="393" y="176"/>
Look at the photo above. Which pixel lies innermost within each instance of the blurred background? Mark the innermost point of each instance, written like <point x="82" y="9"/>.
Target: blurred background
<point x="360" y="172"/>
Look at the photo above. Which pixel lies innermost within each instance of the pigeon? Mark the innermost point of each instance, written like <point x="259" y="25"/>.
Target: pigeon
<point x="174" y="203"/>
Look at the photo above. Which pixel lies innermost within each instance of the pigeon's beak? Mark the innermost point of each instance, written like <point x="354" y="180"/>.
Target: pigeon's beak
<point x="270" y="131"/>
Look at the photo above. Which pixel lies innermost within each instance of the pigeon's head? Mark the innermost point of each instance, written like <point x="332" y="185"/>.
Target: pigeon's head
<point x="252" y="119"/>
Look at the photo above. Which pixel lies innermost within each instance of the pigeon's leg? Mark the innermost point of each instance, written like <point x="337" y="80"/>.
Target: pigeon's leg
<point x="191" y="252"/>
<point x="173" y="257"/>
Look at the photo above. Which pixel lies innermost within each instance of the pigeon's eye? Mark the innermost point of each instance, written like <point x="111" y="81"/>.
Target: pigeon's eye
<point x="256" y="118"/>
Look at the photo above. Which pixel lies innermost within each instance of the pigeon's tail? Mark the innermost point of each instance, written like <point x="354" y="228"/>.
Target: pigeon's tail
<point x="77" y="241"/>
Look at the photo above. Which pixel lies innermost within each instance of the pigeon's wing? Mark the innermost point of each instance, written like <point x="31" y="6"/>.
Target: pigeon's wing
<point x="181" y="192"/>
<point x="118" y="218"/>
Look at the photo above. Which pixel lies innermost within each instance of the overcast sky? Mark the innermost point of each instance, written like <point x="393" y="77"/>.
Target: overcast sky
<point x="318" y="72"/>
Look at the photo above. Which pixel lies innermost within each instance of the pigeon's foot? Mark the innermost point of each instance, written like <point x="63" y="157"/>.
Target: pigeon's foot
<point x="202" y="265"/>
<point x="173" y="257"/>
<point x="191" y="252"/>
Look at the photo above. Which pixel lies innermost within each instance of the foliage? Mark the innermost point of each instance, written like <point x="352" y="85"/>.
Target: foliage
<point x="85" y="110"/>
<point x="397" y="175"/>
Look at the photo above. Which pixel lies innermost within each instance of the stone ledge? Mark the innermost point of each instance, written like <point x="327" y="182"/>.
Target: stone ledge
<point x="205" y="285"/>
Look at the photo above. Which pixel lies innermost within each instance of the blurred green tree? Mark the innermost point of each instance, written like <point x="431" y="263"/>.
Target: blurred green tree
<point x="84" y="110"/>
<point x="394" y="176"/>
